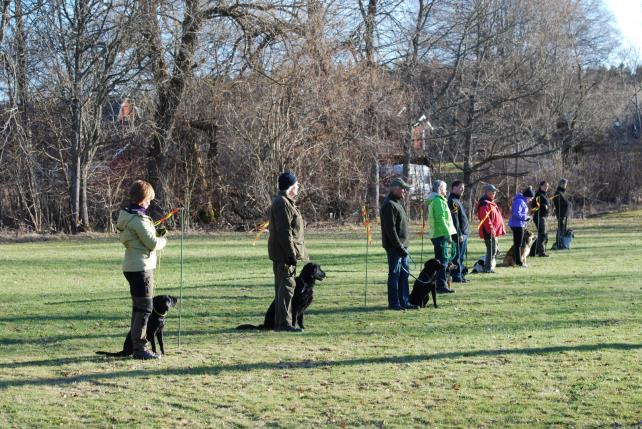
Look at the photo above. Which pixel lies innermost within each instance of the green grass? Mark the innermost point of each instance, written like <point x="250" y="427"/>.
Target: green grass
<point x="557" y="345"/>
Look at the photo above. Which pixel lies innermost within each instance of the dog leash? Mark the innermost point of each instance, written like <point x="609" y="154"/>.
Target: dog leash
<point x="410" y="274"/>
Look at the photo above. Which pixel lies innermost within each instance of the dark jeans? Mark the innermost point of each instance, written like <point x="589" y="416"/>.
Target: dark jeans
<point x="518" y="241"/>
<point x="542" y="237"/>
<point x="441" y="245"/>
<point x="141" y="288"/>
<point x="397" y="279"/>
<point x="457" y="273"/>
<point x="562" y="225"/>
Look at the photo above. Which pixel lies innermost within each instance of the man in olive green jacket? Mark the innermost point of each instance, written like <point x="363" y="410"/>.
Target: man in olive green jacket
<point x="394" y="237"/>
<point x="440" y="229"/>
<point x="286" y="246"/>
<point x="141" y="241"/>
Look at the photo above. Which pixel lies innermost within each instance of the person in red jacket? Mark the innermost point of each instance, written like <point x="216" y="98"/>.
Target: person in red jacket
<point x="491" y="225"/>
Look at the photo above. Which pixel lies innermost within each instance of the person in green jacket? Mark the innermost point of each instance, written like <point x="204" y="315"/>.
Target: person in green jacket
<point x="440" y="229"/>
<point x="141" y="241"/>
<point x="286" y="246"/>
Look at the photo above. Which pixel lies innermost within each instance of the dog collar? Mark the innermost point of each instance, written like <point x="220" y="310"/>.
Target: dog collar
<point x="159" y="314"/>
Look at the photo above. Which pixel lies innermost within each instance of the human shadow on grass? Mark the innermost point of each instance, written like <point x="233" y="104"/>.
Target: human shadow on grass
<point x="308" y="364"/>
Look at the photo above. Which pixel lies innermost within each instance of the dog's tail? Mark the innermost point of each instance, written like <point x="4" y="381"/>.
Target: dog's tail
<point x="248" y="327"/>
<point x="121" y="353"/>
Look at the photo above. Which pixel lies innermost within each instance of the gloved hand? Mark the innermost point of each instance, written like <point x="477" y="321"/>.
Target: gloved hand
<point x="403" y="252"/>
<point x="290" y="260"/>
<point x="161" y="231"/>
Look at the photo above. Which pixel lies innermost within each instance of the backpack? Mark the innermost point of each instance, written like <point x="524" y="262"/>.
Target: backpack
<point x="566" y="240"/>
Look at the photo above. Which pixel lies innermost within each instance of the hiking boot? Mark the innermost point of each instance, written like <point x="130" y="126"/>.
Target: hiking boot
<point x="145" y="354"/>
<point x="410" y="307"/>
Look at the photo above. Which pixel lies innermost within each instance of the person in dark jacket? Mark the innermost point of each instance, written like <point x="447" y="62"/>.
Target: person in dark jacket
<point x="286" y="246"/>
<point x="562" y="208"/>
<point x="460" y="220"/>
<point x="520" y="215"/>
<point x="541" y="209"/>
<point x="394" y="237"/>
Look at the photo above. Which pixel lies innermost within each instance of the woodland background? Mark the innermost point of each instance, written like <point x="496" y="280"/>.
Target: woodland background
<point x="210" y="100"/>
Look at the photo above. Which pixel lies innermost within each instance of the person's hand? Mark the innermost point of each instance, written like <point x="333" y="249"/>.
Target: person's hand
<point x="161" y="231"/>
<point x="403" y="252"/>
<point x="290" y="260"/>
<point x="461" y="238"/>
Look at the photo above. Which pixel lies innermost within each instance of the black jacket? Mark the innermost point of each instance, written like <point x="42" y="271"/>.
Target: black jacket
<point x="541" y="201"/>
<point x="561" y="203"/>
<point x="460" y="220"/>
<point x="394" y="224"/>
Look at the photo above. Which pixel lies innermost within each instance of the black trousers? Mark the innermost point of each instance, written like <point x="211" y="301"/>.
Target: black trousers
<point x="542" y="237"/>
<point x="141" y="288"/>
<point x="518" y="241"/>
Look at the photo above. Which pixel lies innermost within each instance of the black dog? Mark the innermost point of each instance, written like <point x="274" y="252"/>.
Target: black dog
<point x="301" y="300"/>
<point x="155" y="325"/>
<point x="425" y="284"/>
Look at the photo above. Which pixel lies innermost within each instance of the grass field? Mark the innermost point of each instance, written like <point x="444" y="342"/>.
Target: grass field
<point x="557" y="345"/>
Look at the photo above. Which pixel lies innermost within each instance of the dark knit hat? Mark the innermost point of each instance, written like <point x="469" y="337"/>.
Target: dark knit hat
<point x="286" y="179"/>
<point x="528" y="192"/>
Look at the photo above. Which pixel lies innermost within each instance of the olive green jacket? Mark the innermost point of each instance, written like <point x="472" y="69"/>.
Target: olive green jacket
<point x="138" y="235"/>
<point x="394" y="224"/>
<point x="286" y="230"/>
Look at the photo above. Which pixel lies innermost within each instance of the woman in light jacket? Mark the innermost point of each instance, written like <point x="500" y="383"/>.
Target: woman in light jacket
<point x="141" y="241"/>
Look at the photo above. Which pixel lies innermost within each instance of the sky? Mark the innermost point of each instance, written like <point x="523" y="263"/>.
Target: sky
<point x="628" y="16"/>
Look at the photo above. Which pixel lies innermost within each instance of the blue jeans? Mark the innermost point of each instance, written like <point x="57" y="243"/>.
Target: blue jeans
<point x="442" y="255"/>
<point x="457" y="273"/>
<point x="397" y="279"/>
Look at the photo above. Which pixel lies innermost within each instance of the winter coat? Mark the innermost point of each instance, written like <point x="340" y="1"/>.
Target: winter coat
<point x="138" y="235"/>
<point x="394" y="224"/>
<point x="460" y="219"/>
<point x="519" y="212"/>
<point x="541" y="204"/>
<point x="490" y="218"/>
<point x="561" y="203"/>
<point x="440" y="221"/>
<point x="285" y="241"/>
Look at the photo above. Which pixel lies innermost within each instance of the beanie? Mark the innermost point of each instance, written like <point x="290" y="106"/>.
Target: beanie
<point x="286" y="179"/>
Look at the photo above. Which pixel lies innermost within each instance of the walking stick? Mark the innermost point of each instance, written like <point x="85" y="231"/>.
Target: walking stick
<point x="180" y="290"/>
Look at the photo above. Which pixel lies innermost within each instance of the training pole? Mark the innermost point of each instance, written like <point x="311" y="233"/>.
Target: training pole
<point x="365" y="293"/>
<point x="180" y="289"/>
<point x="423" y="227"/>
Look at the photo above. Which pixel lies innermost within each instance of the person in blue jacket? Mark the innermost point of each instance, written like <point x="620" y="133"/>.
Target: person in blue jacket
<point x="520" y="215"/>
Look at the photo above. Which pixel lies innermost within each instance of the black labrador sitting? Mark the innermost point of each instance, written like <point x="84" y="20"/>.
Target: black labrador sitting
<point x="303" y="293"/>
<point x="155" y="325"/>
<point x="425" y="284"/>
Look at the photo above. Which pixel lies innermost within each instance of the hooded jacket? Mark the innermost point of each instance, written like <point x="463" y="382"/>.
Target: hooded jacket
<point x="491" y="220"/>
<point x="440" y="221"/>
<point x="519" y="212"/>
<point x="138" y="235"/>
<point x="286" y="240"/>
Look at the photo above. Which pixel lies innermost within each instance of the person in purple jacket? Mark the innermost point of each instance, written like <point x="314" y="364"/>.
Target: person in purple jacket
<point x="520" y="215"/>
